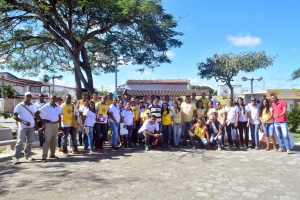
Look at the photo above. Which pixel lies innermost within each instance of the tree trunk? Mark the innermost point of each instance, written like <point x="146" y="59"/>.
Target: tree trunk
<point x="78" y="86"/>
<point x="231" y="90"/>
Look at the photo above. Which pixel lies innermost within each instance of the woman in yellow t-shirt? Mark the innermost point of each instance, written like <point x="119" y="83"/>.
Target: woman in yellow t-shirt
<point x="166" y="119"/>
<point x="178" y="119"/>
<point x="267" y="121"/>
<point x="144" y="114"/>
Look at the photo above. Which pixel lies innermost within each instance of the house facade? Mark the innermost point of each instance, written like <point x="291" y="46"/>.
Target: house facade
<point x="159" y="84"/>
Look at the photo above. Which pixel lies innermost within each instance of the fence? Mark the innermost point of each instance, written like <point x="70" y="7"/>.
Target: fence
<point x="8" y="105"/>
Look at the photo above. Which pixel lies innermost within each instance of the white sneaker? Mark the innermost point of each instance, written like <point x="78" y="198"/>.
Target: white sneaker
<point x="137" y="144"/>
<point x="219" y="149"/>
<point x="288" y="151"/>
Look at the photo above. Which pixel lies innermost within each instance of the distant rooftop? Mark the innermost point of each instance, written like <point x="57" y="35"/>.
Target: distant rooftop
<point x="159" y="81"/>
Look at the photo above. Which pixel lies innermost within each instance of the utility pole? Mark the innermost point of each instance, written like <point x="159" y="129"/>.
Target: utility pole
<point x="2" y="91"/>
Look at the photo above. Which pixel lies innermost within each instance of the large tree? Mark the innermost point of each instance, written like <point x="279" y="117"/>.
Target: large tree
<point x="224" y="67"/>
<point x="71" y="35"/>
<point x="295" y="75"/>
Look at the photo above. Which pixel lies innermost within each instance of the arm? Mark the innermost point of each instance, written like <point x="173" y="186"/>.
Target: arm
<point x="83" y="119"/>
<point x="207" y="137"/>
<point x="236" y="119"/>
<point x="248" y="120"/>
<point x="16" y="117"/>
<point x="271" y="116"/>
<point x="59" y="122"/>
<point x="281" y="114"/>
<point x="113" y="118"/>
<point x="224" y="118"/>
<point x="191" y="131"/>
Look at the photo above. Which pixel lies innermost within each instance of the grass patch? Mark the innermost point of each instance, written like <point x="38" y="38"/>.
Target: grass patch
<point x="2" y="126"/>
<point x="296" y="136"/>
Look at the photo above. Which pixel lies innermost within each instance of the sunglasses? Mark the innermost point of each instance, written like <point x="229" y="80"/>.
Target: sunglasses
<point x="252" y="100"/>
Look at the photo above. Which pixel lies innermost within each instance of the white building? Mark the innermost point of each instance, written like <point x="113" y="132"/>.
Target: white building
<point x="223" y="90"/>
<point x="62" y="90"/>
<point x="159" y="84"/>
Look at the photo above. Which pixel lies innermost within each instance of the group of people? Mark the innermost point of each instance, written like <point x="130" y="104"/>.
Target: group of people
<point x="156" y="123"/>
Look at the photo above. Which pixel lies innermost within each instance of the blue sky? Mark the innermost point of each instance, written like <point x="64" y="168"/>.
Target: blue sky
<point x="222" y="26"/>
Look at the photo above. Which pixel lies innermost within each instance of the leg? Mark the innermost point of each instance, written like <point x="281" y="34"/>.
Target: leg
<point x="212" y="136"/>
<point x="48" y="136"/>
<point x="246" y="131"/>
<point x="169" y="129"/>
<point x="175" y="130"/>
<point x="204" y="141"/>
<point x="64" y="138"/>
<point x="193" y="140"/>
<point x="114" y="135"/>
<point x="59" y="138"/>
<point x="90" y="138"/>
<point x="228" y="131"/>
<point x="147" y="139"/>
<point x="220" y="141"/>
<point x="80" y="136"/>
<point x="53" y="139"/>
<point x="41" y="136"/>
<point x="256" y="135"/>
<point x="252" y="129"/>
<point x="20" y="141"/>
<point x="235" y="135"/>
<point x="130" y="137"/>
<point x="184" y="131"/>
<point x="74" y="139"/>
<point x="29" y="139"/>
<point x="102" y="133"/>
<point x="97" y="135"/>
<point x="284" y="129"/>
<point x="266" y="133"/>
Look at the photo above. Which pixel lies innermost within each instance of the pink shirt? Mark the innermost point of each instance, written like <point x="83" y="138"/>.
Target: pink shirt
<point x="278" y="109"/>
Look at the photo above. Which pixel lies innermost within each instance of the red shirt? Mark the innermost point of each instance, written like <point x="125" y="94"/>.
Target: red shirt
<point x="278" y="109"/>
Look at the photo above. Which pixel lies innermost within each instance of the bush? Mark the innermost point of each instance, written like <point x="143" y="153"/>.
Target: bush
<point x="294" y="119"/>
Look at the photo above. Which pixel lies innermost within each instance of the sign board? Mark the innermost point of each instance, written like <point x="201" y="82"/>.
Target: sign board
<point x="284" y="93"/>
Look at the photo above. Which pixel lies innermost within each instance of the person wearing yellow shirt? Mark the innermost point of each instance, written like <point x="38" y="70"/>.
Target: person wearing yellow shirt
<point x="109" y="99"/>
<point x="167" y="119"/>
<point x="204" y="100"/>
<point x="194" y="100"/>
<point x="144" y="114"/>
<point x="178" y="118"/>
<point x="266" y="114"/>
<point x="188" y="110"/>
<point x="80" y="103"/>
<point x="101" y="123"/>
<point x="199" y="132"/>
<point x="96" y="98"/>
<point x="136" y="112"/>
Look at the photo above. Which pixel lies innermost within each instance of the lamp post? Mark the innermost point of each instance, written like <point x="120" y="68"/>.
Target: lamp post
<point x="53" y="77"/>
<point x="115" y="60"/>
<point x="252" y="79"/>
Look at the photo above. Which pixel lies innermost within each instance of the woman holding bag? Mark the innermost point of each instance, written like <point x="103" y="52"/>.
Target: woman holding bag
<point x="89" y="120"/>
<point x="128" y="118"/>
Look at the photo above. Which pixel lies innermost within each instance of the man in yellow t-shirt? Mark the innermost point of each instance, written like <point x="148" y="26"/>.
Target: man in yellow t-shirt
<point x="80" y="102"/>
<point x="204" y="100"/>
<point x="96" y="98"/>
<point x="188" y="111"/>
<point x="101" y="123"/>
<point x="199" y="132"/>
<point x="109" y="99"/>
<point x="136" y="112"/>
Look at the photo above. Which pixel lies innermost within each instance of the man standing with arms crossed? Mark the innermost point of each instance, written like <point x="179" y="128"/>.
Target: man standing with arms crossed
<point x="280" y="123"/>
<point x="24" y="111"/>
<point x="52" y="121"/>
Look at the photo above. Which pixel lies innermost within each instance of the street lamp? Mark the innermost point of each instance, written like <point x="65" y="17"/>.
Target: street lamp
<point x="107" y="59"/>
<point x="46" y="77"/>
<point x="252" y="79"/>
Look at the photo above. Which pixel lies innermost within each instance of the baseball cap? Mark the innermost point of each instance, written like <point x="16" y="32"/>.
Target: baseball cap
<point x="188" y="95"/>
<point x="27" y="93"/>
<point x="132" y="99"/>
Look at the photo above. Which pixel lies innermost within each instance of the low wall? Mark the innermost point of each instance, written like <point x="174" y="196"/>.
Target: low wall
<point x="8" y="105"/>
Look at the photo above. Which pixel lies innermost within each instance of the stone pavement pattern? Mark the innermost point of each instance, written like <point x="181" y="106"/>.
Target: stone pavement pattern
<point x="135" y="174"/>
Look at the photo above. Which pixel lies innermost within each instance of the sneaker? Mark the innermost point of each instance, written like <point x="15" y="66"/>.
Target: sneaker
<point x="54" y="156"/>
<point x="137" y="144"/>
<point x="288" y="151"/>
<point x="219" y="149"/>
<point x="146" y="148"/>
<point x="29" y="158"/>
<point x="66" y="154"/>
<point x="256" y="148"/>
<point x="280" y="149"/>
<point x="92" y="152"/>
<point x="15" y="161"/>
<point x="43" y="160"/>
<point x="59" y="149"/>
<point x="76" y="152"/>
<point x="194" y="147"/>
<point x="238" y="148"/>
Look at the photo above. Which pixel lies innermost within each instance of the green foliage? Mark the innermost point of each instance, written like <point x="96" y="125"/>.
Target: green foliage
<point x="224" y="67"/>
<point x="71" y="35"/>
<point x="9" y="92"/>
<point x="2" y="114"/>
<point x="294" y="119"/>
<point x="198" y="87"/>
<point x="295" y="74"/>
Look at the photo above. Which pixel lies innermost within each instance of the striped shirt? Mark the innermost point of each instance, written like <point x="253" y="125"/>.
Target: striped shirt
<point x="155" y="111"/>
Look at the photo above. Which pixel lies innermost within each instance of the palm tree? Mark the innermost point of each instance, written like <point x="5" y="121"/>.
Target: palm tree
<point x="295" y="74"/>
<point x="46" y="80"/>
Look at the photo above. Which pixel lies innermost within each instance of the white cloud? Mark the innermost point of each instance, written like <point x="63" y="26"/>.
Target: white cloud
<point x="294" y="49"/>
<point x="193" y="81"/>
<point x="135" y="73"/>
<point x="244" y="40"/>
<point x="170" y="54"/>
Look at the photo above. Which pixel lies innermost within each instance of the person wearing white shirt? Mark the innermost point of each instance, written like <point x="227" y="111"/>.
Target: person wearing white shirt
<point x="150" y="131"/>
<point x="23" y="114"/>
<point x="52" y="121"/>
<point x="128" y="118"/>
<point x="244" y="122"/>
<point x="254" y="122"/>
<point x="232" y="119"/>
<point x="82" y="108"/>
<point x="211" y="98"/>
<point x="215" y="130"/>
<point x="38" y="105"/>
<point x="89" y="120"/>
<point x="114" y="120"/>
<point x="69" y="115"/>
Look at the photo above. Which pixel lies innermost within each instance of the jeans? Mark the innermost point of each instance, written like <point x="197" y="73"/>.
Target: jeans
<point x="135" y="134"/>
<point x="100" y="129"/>
<point x="213" y="142"/>
<point x="167" y="134"/>
<point x="231" y="128"/>
<point x="80" y="131"/>
<point x="41" y="136"/>
<point x="185" y="129"/>
<point x="23" y="133"/>
<point x="268" y="129"/>
<point x="282" y="131"/>
<point x="203" y="140"/>
<point x="254" y="134"/>
<point x="114" y="134"/>
<point x="65" y="136"/>
<point x="242" y="126"/>
<point x="89" y="140"/>
<point x="176" y="133"/>
<point x="127" y="139"/>
<point x="59" y="137"/>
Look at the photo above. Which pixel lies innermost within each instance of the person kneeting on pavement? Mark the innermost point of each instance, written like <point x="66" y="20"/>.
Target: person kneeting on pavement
<point x="150" y="131"/>
<point x="69" y="115"/>
<point x="215" y="132"/>
<point x="52" y="121"/>
<point x="24" y="114"/>
<point x="199" y="132"/>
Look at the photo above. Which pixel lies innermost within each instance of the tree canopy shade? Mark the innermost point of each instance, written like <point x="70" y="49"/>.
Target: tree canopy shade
<point x="224" y="67"/>
<point x="295" y="75"/>
<point x="70" y="35"/>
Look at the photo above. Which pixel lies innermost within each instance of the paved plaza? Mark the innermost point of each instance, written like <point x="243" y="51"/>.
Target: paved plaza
<point x="157" y="174"/>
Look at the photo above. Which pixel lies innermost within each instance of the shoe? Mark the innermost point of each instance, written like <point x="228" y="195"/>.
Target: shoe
<point x="146" y="148"/>
<point x="288" y="151"/>
<point x="59" y="149"/>
<point x="184" y="144"/>
<point x="116" y="148"/>
<point x="54" y="156"/>
<point x="29" y="158"/>
<point x="256" y="148"/>
<point x="66" y="154"/>
<point x="169" y="146"/>
<point x="219" y="149"/>
<point x="76" y="152"/>
<point x="92" y="152"/>
<point x="280" y="149"/>
<point x="130" y="146"/>
<point x="15" y="161"/>
<point x="137" y="144"/>
<point x="238" y="148"/>
<point x="43" y="160"/>
<point x="194" y="147"/>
